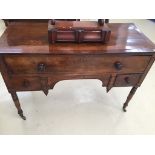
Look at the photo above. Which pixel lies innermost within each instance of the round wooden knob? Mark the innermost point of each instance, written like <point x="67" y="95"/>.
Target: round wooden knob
<point x="52" y="21"/>
<point x="101" y="22"/>
<point x="41" y="67"/>
<point x="26" y="83"/>
<point x="127" y="80"/>
<point x="118" y="65"/>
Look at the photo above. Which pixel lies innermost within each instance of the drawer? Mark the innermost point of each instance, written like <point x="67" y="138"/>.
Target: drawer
<point x="75" y="64"/>
<point x="25" y="83"/>
<point x="127" y="80"/>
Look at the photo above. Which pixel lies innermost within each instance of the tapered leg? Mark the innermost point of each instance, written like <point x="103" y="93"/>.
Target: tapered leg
<point x="17" y="104"/>
<point x="132" y="92"/>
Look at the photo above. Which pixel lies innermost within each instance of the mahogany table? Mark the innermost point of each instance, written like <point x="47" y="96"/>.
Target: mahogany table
<point x="29" y="63"/>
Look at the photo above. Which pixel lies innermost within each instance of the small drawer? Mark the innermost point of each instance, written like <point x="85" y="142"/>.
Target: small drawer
<point x="25" y="83"/>
<point x="127" y="80"/>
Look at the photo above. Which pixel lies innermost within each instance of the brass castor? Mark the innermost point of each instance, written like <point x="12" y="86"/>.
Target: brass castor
<point x="124" y="109"/>
<point x="20" y="112"/>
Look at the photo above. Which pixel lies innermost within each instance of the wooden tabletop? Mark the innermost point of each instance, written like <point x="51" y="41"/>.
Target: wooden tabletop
<point x="33" y="38"/>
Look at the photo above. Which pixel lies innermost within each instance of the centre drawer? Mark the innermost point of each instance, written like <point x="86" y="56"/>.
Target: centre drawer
<point x="75" y="64"/>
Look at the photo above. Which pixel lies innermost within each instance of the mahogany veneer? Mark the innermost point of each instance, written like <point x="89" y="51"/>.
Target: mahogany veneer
<point x="29" y="63"/>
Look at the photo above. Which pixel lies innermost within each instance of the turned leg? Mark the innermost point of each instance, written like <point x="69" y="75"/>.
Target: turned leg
<point x="17" y="104"/>
<point x="132" y="92"/>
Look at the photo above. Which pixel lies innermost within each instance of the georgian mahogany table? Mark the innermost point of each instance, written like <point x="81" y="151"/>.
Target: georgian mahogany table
<point x="29" y="63"/>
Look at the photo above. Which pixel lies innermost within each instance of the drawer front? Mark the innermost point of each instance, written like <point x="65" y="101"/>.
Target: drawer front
<point x="75" y="64"/>
<point x="25" y="83"/>
<point x="127" y="80"/>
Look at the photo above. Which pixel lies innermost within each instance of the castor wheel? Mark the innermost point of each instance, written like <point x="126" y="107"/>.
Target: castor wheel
<point x="21" y="115"/>
<point x="124" y="109"/>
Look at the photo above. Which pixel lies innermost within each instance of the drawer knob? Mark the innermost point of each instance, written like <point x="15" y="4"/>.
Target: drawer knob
<point x="41" y="67"/>
<point x="118" y="65"/>
<point x="127" y="80"/>
<point x="26" y="83"/>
